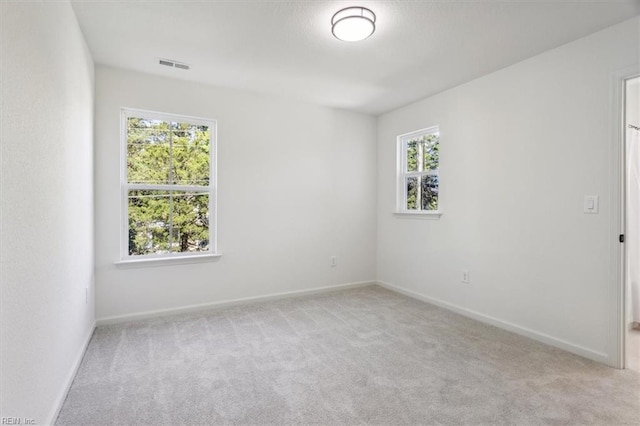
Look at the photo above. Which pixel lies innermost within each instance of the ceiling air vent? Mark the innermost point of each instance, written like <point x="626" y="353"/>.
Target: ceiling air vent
<point x="173" y="64"/>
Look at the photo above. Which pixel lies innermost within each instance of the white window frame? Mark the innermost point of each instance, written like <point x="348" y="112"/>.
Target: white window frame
<point x="212" y="252"/>
<point x="402" y="174"/>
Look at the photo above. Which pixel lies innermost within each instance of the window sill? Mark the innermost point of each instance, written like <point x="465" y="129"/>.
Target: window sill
<point x="428" y="215"/>
<point x="163" y="261"/>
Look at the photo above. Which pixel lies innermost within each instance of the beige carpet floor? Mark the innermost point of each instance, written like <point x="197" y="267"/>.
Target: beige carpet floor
<point x="362" y="356"/>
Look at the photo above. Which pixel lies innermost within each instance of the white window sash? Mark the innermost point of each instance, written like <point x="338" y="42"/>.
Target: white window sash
<point x="420" y="174"/>
<point x="164" y="187"/>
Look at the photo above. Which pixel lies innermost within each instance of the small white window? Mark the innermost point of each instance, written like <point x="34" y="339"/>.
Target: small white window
<point x="418" y="172"/>
<point x="168" y="185"/>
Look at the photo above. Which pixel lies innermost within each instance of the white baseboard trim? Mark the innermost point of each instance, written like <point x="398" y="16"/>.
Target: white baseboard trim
<point x="523" y="331"/>
<point x="226" y="303"/>
<point x="70" y="377"/>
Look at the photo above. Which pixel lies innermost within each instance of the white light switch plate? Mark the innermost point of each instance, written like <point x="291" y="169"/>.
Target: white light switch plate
<point x="591" y="204"/>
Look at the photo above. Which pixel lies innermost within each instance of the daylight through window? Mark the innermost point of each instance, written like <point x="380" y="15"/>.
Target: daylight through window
<point x="418" y="171"/>
<point x="168" y="185"/>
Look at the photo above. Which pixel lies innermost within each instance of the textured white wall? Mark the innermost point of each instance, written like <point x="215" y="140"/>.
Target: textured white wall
<point x="520" y="148"/>
<point x="296" y="186"/>
<point x="47" y="205"/>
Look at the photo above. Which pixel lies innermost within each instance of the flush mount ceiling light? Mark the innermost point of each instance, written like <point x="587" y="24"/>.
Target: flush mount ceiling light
<point x="353" y="23"/>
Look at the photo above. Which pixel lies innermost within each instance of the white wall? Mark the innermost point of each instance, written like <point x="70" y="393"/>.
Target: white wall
<point x="296" y="186"/>
<point x="632" y="140"/>
<point x="47" y="206"/>
<point x="520" y="148"/>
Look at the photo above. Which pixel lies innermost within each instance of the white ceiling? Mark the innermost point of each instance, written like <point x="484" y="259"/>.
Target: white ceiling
<point x="286" y="47"/>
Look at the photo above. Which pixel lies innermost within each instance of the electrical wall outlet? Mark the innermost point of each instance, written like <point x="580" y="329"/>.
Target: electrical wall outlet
<point x="465" y="276"/>
<point x="333" y="262"/>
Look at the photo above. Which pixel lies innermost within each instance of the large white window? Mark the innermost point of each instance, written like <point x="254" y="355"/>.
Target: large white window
<point x="418" y="172"/>
<point x="168" y="185"/>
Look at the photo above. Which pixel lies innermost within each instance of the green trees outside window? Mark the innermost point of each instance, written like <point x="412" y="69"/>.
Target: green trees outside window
<point x="168" y="186"/>
<point x="423" y="155"/>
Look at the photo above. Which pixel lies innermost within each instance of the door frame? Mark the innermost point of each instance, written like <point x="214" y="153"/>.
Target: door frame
<point x="618" y="324"/>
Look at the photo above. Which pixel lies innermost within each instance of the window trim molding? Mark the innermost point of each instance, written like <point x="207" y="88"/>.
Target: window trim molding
<point x="125" y="258"/>
<point x="401" y="160"/>
<point x="427" y="214"/>
<point x="177" y="259"/>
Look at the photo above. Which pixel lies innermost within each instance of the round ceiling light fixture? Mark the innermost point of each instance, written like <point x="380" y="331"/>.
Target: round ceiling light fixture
<point x="353" y="23"/>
